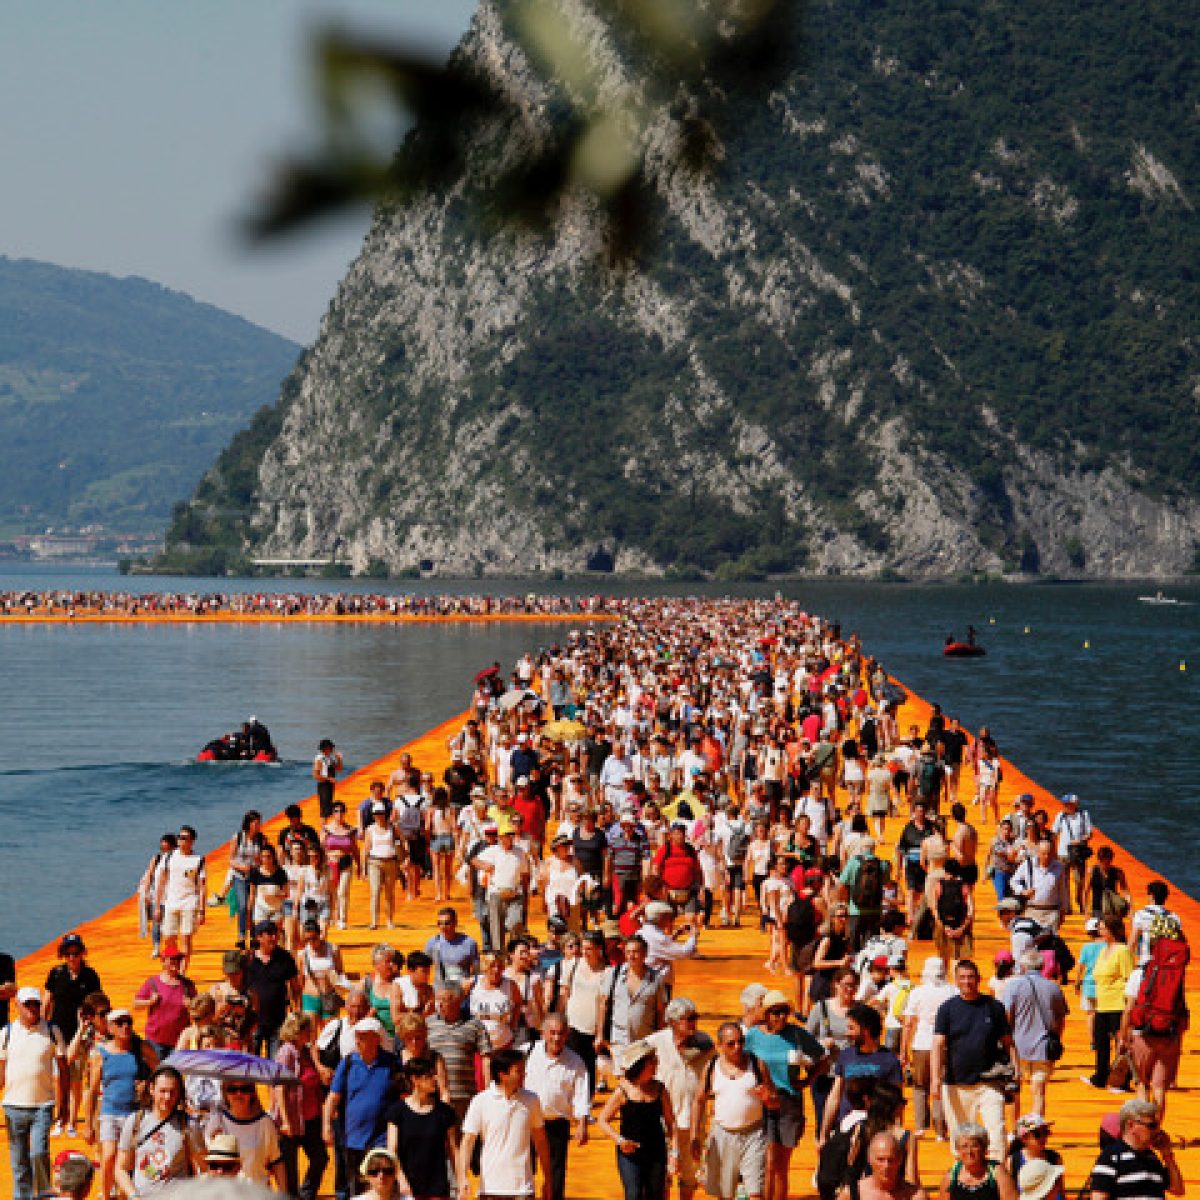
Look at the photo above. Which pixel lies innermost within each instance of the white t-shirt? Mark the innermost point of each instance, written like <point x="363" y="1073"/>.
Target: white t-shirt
<point x="28" y="1056"/>
<point x="504" y="1127"/>
<point x="923" y="1003"/>
<point x="506" y="866"/>
<point x="185" y="881"/>
<point x="257" y="1139"/>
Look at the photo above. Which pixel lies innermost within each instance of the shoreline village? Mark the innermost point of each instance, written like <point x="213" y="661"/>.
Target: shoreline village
<point x="699" y="900"/>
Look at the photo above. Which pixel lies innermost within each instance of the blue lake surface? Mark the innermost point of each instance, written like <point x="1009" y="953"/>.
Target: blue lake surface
<point x="98" y="723"/>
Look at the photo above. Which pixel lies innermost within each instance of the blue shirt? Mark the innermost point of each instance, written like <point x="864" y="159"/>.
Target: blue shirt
<point x="1088" y="953"/>
<point x="365" y="1089"/>
<point x="852" y="1063"/>
<point x="772" y="1050"/>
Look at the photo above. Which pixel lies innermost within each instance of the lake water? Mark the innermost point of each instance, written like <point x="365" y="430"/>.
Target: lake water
<point x="98" y="723"/>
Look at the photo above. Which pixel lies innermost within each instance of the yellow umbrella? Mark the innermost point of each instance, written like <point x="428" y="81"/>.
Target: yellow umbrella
<point x="564" y="731"/>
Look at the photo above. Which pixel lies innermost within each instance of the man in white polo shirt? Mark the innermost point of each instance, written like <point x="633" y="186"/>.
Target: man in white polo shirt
<point x="506" y="1120"/>
<point x="558" y="1078"/>
<point x="33" y="1077"/>
<point x="505" y="869"/>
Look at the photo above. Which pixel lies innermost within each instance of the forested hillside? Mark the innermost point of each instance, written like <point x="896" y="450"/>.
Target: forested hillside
<point x="934" y="313"/>
<point x="116" y="394"/>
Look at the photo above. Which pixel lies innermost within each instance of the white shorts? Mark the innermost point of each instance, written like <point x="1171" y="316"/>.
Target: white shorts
<point x="178" y="920"/>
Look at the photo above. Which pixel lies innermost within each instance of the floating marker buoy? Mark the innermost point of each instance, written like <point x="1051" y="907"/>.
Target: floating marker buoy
<point x="991" y="620"/>
<point x="1087" y="645"/>
<point x="1183" y="666"/>
<point x="1026" y="628"/>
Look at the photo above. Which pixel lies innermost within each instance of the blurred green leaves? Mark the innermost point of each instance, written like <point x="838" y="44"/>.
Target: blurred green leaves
<point x="609" y="71"/>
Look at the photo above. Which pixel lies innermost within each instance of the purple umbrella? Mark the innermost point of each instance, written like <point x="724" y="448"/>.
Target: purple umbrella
<point x="230" y="1064"/>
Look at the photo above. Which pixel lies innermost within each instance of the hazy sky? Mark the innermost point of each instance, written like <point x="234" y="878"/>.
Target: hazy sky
<point x="135" y="133"/>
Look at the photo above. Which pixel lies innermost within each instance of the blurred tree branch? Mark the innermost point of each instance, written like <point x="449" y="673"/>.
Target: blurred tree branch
<point x="684" y="56"/>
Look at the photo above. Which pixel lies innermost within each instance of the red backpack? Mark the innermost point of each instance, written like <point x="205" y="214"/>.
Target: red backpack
<point x="1160" y="1007"/>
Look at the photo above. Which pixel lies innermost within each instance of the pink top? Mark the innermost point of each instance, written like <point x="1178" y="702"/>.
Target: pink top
<point x="169" y="1017"/>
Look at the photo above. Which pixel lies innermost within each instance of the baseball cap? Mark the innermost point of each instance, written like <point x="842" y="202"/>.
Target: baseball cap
<point x="658" y="910"/>
<point x="881" y="962"/>
<point x="265" y="927"/>
<point x="27" y="995"/>
<point x="369" y="1025"/>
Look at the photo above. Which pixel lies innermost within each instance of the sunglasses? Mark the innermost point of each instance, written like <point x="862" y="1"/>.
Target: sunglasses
<point x="224" y="1168"/>
<point x="123" y="1021"/>
<point x="239" y="1089"/>
<point x="382" y="1169"/>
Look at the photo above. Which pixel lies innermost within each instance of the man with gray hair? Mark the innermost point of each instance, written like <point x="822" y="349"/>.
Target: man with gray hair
<point x="457" y="1037"/>
<point x="1037" y="1012"/>
<point x="683" y="1054"/>
<point x="666" y="943"/>
<point x="1141" y="1162"/>
<point x="556" y="1075"/>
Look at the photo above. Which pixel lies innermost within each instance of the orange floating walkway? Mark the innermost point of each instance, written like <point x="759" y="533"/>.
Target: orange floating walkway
<point x="729" y="960"/>
<point x="103" y="617"/>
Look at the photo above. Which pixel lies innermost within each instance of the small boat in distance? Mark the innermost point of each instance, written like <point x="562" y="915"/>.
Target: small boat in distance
<point x="250" y="744"/>
<point x="968" y="649"/>
<point x="1159" y="598"/>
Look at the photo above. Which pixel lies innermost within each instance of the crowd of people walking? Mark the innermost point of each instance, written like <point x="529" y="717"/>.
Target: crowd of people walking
<point x="697" y="773"/>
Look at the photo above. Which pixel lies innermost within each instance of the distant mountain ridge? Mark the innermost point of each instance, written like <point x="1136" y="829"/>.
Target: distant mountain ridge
<point x="116" y="394"/>
<point x="935" y="313"/>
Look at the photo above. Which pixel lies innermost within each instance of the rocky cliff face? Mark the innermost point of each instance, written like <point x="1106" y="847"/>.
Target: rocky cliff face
<point x="934" y="313"/>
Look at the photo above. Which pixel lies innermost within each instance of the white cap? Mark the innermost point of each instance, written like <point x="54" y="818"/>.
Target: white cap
<point x="369" y="1025"/>
<point x="26" y="994"/>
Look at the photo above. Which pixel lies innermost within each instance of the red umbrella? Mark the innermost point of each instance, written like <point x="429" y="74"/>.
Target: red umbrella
<point x="488" y="673"/>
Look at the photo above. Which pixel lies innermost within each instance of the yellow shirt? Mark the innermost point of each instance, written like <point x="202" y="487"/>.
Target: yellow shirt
<point x="1111" y="973"/>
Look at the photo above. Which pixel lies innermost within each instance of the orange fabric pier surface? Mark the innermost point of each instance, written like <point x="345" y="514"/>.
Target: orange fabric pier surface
<point x="729" y="959"/>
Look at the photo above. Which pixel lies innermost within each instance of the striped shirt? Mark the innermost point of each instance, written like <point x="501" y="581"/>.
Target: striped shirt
<point x="1127" y="1174"/>
<point x="458" y="1042"/>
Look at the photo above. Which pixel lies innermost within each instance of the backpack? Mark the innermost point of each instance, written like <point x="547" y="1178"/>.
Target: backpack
<point x="839" y="1162"/>
<point x="408" y="816"/>
<point x="800" y="921"/>
<point x="739" y="843"/>
<point x="868" y="884"/>
<point x="330" y="1054"/>
<point x="1160" y="1008"/>
<point x="928" y="778"/>
<point x="952" y="902"/>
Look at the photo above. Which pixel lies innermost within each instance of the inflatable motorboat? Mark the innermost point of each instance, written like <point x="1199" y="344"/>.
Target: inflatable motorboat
<point x="967" y="649"/>
<point x="963" y="650"/>
<point x="250" y="744"/>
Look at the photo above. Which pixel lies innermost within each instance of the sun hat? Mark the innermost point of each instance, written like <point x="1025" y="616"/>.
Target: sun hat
<point x="775" y="999"/>
<point x="1030" y="1123"/>
<point x="1038" y="1177"/>
<point x="223" y="1148"/>
<point x="634" y="1054"/>
<point x="377" y="1152"/>
<point x="658" y="910"/>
